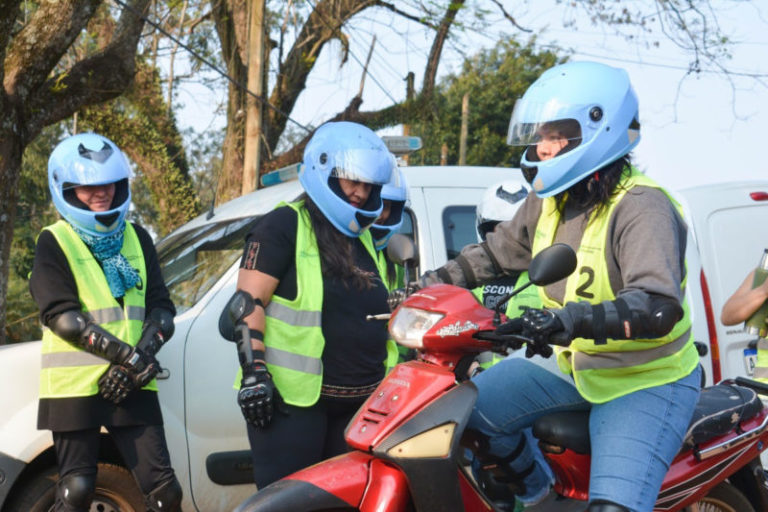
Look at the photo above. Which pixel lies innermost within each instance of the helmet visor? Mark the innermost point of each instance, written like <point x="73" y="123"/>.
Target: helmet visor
<point x="363" y="165"/>
<point x="533" y="123"/>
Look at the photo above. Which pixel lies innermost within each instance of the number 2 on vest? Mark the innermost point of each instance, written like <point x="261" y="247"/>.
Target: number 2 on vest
<point x="581" y="291"/>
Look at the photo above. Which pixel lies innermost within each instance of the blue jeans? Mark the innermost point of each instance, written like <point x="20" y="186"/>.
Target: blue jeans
<point x="634" y="438"/>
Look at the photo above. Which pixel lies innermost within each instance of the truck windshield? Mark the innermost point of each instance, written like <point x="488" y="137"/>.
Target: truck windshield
<point x="193" y="261"/>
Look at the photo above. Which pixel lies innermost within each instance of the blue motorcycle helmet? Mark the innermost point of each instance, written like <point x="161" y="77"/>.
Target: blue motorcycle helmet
<point x="396" y="192"/>
<point x="89" y="159"/>
<point x="590" y="108"/>
<point x="346" y="150"/>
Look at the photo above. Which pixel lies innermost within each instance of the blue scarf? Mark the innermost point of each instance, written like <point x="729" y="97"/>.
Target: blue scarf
<point x="121" y="276"/>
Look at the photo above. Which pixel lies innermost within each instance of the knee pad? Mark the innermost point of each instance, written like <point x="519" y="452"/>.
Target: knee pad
<point x="166" y="497"/>
<point x="76" y="490"/>
<point x="606" y="506"/>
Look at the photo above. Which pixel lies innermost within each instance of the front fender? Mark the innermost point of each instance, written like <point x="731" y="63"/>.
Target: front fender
<point x="339" y="482"/>
<point x="354" y="481"/>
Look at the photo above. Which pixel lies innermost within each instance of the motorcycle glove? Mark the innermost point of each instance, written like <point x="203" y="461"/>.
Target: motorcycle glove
<point x="543" y="327"/>
<point x="257" y="394"/>
<point x="398" y="295"/>
<point x="135" y="372"/>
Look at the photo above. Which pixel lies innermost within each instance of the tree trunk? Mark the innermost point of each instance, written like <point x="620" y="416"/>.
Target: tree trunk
<point x="231" y="26"/>
<point x="10" y="170"/>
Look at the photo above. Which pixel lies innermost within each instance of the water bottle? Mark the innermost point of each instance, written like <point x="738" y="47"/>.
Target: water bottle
<point x="755" y="324"/>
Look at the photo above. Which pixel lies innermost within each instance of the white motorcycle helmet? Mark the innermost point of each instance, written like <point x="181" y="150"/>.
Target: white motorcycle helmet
<point x="500" y="202"/>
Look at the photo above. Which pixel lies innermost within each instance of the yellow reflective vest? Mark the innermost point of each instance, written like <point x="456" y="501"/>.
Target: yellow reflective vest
<point x="293" y="334"/>
<point x="761" y="365"/>
<point x="526" y="298"/>
<point x="604" y="372"/>
<point x="68" y="370"/>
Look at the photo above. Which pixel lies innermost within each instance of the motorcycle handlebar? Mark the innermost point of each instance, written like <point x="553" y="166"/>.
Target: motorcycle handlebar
<point x="513" y="341"/>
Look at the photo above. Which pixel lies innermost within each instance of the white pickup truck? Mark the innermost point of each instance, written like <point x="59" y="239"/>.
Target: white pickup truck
<point x="205" y="430"/>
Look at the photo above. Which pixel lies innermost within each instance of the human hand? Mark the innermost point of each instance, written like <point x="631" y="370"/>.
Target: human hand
<point x="135" y="372"/>
<point x="544" y="328"/>
<point x="257" y="391"/>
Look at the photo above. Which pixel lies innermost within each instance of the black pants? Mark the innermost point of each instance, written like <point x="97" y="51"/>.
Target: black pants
<point x="298" y="437"/>
<point x="143" y="448"/>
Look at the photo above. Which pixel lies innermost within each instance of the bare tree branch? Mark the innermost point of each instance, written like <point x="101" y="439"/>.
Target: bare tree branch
<point x="323" y="24"/>
<point x="417" y="19"/>
<point x="9" y="9"/>
<point x="430" y="73"/>
<point x="38" y="47"/>
<point x="510" y="18"/>
<point x="103" y="76"/>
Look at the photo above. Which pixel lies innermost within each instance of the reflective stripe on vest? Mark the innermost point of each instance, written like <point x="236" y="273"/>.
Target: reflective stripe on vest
<point x="608" y="371"/>
<point x="293" y="333"/>
<point x="393" y="352"/>
<point x="68" y="370"/>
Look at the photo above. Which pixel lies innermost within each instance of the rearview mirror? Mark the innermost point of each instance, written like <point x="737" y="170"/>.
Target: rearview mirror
<point x="554" y="263"/>
<point x="402" y="250"/>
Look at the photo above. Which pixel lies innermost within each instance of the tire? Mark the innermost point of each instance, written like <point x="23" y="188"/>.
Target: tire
<point x="724" y="498"/>
<point x="116" y="491"/>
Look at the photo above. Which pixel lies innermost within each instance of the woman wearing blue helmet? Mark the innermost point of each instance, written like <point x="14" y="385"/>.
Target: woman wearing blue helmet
<point x="97" y="283"/>
<point x="620" y="325"/>
<point x="308" y="278"/>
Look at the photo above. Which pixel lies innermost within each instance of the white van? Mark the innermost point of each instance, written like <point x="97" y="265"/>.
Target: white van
<point x="204" y="427"/>
<point x="728" y="233"/>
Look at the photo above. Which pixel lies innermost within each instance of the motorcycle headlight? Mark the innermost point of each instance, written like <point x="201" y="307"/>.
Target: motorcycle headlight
<point x="409" y="325"/>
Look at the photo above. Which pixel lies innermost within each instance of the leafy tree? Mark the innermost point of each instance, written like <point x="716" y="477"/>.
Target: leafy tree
<point x="494" y="79"/>
<point x="300" y="31"/>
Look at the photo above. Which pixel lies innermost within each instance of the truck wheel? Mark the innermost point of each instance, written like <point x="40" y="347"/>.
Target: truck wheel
<point x="116" y="491"/>
<point x="725" y="498"/>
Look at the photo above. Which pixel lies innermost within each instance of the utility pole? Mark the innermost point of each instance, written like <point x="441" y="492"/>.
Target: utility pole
<point x="409" y="79"/>
<point x="464" y="129"/>
<point x="254" y="106"/>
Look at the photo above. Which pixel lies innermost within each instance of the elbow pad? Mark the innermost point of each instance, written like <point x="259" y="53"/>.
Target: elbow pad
<point x="232" y="324"/>
<point x="158" y="329"/>
<point x="615" y="320"/>
<point x="80" y="330"/>
<point x="164" y="320"/>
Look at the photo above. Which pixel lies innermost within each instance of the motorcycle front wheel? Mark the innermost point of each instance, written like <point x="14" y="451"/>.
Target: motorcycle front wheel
<point x="722" y="498"/>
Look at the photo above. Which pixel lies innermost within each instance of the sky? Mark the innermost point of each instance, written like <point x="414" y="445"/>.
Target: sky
<point x="695" y="130"/>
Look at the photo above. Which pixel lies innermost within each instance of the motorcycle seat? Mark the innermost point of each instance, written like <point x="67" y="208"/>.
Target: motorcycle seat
<point x="719" y="410"/>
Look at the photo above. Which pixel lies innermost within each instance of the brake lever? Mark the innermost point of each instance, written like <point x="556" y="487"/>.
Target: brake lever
<point x="513" y="341"/>
<point x="381" y="316"/>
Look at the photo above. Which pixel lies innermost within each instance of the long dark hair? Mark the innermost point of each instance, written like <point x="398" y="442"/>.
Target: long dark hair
<point x="336" y="249"/>
<point x="595" y="191"/>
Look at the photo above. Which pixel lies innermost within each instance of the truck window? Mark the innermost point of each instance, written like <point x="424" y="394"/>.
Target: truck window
<point x="407" y="228"/>
<point x="193" y="261"/>
<point x="458" y="228"/>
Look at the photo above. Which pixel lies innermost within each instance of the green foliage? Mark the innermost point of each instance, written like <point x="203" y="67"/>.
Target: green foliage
<point x="494" y="79"/>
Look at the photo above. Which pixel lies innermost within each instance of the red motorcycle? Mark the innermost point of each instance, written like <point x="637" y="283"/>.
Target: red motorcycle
<point x="408" y="440"/>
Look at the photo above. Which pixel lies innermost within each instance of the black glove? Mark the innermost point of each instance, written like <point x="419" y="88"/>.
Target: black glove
<point x="544" y="328"/>
<point x="135" y="372"/>
<point x="396" y="297"/>
<point x="257" y="391"/>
